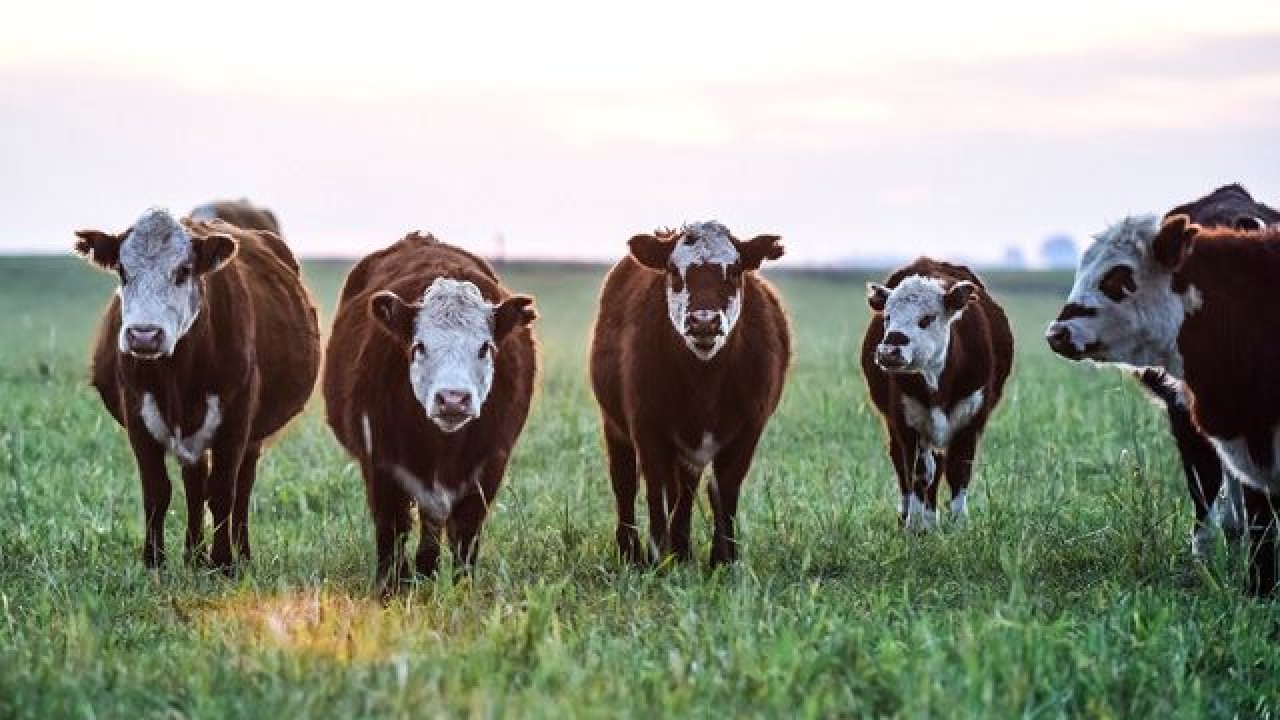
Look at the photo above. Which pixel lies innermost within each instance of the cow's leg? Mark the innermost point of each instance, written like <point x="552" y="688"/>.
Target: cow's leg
<point x="685" y="492"/>
<point x="1203" y="470"/>
<point x="156" y="491"/>
<point x="730" y="470"/>
<point x="959" y="469"/>
<point x="243" y="490"/>
<point x="195" y="478"/>
<point x="622" y="473"/>
<point x="389" y="505"/>
<point x="1263" y="536"/>
<point x="1229" y="508"/>
<point x="468" y="515"/>
<point x="657" y="465"/>
<point x="902" y="468"/>
<point x="228" y="454"/>
<point x="427" y="559"/>
<point x="924" y="467"/>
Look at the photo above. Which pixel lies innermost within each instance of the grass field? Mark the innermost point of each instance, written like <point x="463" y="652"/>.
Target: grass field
<point x="1070" y="593"/>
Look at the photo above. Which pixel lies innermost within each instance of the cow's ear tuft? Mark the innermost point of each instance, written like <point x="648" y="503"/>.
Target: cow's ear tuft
<point x="959" y="296"/>
<point x="650" y="251"/>
<point x="394" y="316"/>
<point x="1175" y="241"/>
<point x="101" y="249"/>
<point x="877" y="296"/>
<point x="516" y="311"/>
<point x="213" y="252"/>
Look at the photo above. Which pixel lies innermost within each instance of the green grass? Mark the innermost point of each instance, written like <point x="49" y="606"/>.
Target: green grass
<point x="1070" y="592"/>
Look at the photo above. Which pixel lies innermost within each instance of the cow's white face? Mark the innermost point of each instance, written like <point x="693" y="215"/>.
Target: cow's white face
<point x="917" y="317"/>
<point x="704" y="267"/>
<point x="451" y="336"/>
<point x="160" y="264"/>
<point x="1123" y="307"/>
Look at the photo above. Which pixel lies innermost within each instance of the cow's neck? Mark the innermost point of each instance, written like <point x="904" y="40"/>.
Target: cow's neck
<point x="186" y="374"/>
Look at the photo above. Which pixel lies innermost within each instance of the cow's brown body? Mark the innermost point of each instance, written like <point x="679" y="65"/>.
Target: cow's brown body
<point x="659" y="404"/>
<point x="240" y="213"/>
<point x="979" y="359"/>
<point x="1230" y="347"/>
<point x="375" y="415"/>
<point x="255" y="345"/>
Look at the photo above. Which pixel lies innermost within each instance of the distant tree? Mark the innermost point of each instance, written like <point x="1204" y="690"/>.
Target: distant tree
<point x="1014" y="258"/>
<point x="1059" y="251"/>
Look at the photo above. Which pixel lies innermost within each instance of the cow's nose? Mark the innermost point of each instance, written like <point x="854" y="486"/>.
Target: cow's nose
<point x="144" y="338"/>
<point x="1059" y="338"/>
<point x="890" y="356"/>
<point x="701" y="323"/>
<point x="453" y="402"/>
<point x="897" y="339"/>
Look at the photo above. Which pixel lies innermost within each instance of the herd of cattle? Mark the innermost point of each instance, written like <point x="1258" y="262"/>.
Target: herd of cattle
<point x="212" y="345"/>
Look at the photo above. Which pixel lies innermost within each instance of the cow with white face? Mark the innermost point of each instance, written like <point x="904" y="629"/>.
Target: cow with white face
<point x="704" y="267"/>
<point x="451" y="334"/>
<point x="161" y="266"/>
<point x="936" y="356"/>
<point x="429" y="394"/>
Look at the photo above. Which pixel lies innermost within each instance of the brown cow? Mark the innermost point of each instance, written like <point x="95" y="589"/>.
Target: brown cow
<point x="936" y="356"/>
<point x="688" y="359"/>
<point x="240" y="213"/>
<point x="1199" y="303"/>
<point x="429" y="394"/>
<point x="210" y="347"/>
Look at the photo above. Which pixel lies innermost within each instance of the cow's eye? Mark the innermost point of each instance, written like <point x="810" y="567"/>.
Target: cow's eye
<point x="418" y="350"/>
<point x="182" y="275"/>
<point x="925" y="321"/>
<point x="124" y="277"/>
<point x="1118" y="283"/>
<point x="486" y="350"/>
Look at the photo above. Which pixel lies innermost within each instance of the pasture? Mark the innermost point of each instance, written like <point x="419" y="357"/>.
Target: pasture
<point x="1071" y="592"/>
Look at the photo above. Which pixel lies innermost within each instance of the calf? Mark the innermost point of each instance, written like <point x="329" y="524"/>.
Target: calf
<point x="688" y="358"/>
<point x="1070" y="335"/>
<point x="936" y="356"/>
<point x="240" y="213"/>
<point x="1194" y="302"/>
<point x="210" y="347"/>
<point x="427" y="382"/>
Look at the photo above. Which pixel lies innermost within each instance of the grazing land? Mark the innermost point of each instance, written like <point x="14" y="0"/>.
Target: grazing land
<point x="1070" y="592"/>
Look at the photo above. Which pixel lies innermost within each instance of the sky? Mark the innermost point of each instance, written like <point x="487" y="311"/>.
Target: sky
<point x="558" y="129"/>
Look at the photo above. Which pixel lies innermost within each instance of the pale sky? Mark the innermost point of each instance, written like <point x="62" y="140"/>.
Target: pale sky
<point x="853" y="129"/>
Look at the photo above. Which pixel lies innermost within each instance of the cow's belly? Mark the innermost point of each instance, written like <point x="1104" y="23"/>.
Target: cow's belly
<point x="1236" y="456"/>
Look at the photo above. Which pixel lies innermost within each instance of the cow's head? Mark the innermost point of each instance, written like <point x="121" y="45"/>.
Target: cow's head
<point x="917" y="317"/>
<point x="704" y="267"/>
<point x="1124" y="307"/>
<point x="450" y="337"/>
<point x="161" y="265"/>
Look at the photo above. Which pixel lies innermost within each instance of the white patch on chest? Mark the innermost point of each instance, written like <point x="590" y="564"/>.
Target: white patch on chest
<point x="698" y="458"/>
<point x="368" y="435"/>
<point x="187" y="449"/>
<point x="436" y="501"/>
<point x="1235" y="455"/>
<point x="935" y="427"/>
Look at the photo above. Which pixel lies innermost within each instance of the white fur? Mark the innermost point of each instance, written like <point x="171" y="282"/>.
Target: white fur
<point x="960" y="505"/>
<point x="1142" y="329"/>
<point x="436" y="501"/>
<point x="698" y="458"/>
<point x="187" y="449"/>
<point x="1235" y="456"/>
<point x="937" y="428"/>
<point x="453" y="324"/>
<point x="914" y="299"/>
<point x="150" y="256"/>
<point x="368" y="435"/>
<point x="919" y="517"/>
<point x="706" y="243"/>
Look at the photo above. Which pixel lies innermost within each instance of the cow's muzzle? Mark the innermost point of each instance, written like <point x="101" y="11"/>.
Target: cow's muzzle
<point x="144" y="341"/>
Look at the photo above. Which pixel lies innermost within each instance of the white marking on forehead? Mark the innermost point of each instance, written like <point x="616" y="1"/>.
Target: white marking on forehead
<point x="1123" y="243"/>
<point x="157" y="234"/>
<point x="916" y="292"/>
<point x="702" y="243"/>
<point x="453" y="303"/>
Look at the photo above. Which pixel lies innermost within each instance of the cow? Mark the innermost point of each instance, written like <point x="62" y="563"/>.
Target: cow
<point x="936" y="355"/>
<point x="209" y="348"/>
<point x="688" y="358"/>
<point x="1069" y="335"/>
<point x="1195" y="302"/>
<point x="428" y="377"/>
<point x="240" y="213"/>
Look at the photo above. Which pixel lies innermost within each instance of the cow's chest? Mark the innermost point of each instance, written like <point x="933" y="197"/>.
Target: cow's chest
<point x="187" y="443"/>
<point x="698" y="450"/>
<point x="1235" y="453"/>
<point x="936" y="426"/>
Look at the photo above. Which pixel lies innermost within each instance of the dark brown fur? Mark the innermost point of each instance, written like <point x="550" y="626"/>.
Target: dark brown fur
<point x="657" y="400"/>
<point x="979" y="357"/>
<point x="244" y="214"/>
<point x="1230" y="348"/>
<point x="366" y="372"/>
<point x="255" y="344"/>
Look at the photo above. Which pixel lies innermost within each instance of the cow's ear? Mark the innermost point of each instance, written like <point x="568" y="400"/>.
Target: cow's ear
<point x="877" y="296"/>
<point x="650" y="251"/>
<point x="959" y="296"/>
<point x="758" y="249"/>
<point x="1175" y="241"/>
<point x="213" y="252"/>
<point x="101" y="249"/>
<point x="516" y="311"/>
<point x="1250" y="224"/>
<point x="394" y="316"/>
